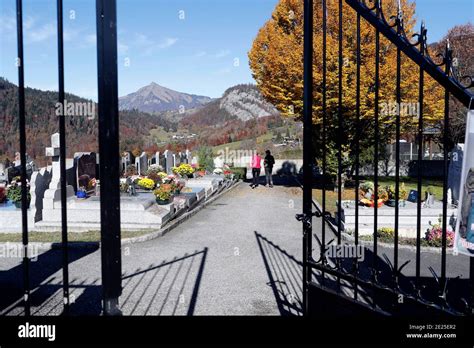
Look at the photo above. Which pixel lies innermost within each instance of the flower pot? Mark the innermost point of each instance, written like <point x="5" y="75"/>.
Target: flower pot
<point x="163" y="201"/>
<point x="19" y="205"/>
<point x="391" y="203"/>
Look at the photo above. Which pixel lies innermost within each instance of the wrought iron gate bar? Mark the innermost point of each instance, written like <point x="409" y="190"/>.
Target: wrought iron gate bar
<point x="447" y="59"/>
<point x="422" y="43"/>
<point x="21" y="117"/>
<point x="454" y="86"/>
<point x="109" y="150"/>
<point x="307" y="145"/>
<point x="340" y="130"/>
<point x="62" y="159"/>
<point x="324" y="125"/>
<point x="398" y="24"/>
<point x="376" y="144"/>
<point x="357" y="144"/>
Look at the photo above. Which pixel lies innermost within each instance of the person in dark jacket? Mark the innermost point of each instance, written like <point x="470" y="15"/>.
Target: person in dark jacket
<point x="268" y="163"/>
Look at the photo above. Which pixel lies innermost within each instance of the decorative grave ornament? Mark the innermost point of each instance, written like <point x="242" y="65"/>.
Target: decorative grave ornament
<point x="413" y="196"/>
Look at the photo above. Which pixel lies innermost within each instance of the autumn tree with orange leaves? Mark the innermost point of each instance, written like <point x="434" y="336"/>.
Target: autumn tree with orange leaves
<point x="276" y="60"/>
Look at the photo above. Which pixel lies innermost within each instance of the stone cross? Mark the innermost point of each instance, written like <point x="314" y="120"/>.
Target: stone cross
<point x="53" y="152"/>
<point x="53" y="194"/>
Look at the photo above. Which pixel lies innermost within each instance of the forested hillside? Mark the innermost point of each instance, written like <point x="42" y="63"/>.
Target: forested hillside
<point x="82" y="133"/>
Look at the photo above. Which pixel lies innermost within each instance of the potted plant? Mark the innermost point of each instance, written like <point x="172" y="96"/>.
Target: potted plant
<point x="14" y="195"/>
<point x="162" y="195"/>
<point x="382" y="194"/>
<point x="184" y="170"/>
<point x="403" y="195"/>
<point x="153" y="173"/>
<point x="81" y="193"/>
<point x="146" y="184"/>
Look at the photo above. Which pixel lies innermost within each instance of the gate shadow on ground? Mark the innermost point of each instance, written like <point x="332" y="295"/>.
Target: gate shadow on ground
<point x="458" y="288"/>
<point x="164" y="289"/>
<point x="285" y="275"/>
<point x="278" y="180"/>
<point x="41" y="268"/>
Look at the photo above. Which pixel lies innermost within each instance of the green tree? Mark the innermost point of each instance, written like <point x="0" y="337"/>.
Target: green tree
<point x="206" y="158"/>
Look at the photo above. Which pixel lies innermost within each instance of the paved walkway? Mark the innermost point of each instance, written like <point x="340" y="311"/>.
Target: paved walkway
<point x="237" y="256"/>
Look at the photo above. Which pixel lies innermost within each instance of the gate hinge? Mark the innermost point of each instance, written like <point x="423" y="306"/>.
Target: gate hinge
<point x="306" y="218"/>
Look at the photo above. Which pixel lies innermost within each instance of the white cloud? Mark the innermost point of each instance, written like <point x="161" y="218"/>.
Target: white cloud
<point x="122" y="48"/>
<point x="223" y="71"/>
<point x="143" y="40"/>
<point x="222" y="54"/>
<point x="42" y="33"/>
<point x="149" y="46"/>
<point x="7" y="24"/>
<point x="28" y="22"/>
<point x="168" y="42"/>
<point x="90" y="39"/>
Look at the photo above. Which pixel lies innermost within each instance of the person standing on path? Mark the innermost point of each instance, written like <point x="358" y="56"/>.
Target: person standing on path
<point x="256" y="168"/>
<point x="268" y="163"/>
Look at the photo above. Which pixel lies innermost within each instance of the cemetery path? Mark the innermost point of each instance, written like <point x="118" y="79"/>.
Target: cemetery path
<point x="239" y="255"/>
<point x="233" y="279"/>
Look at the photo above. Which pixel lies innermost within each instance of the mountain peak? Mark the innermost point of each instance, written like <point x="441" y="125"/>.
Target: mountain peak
<point x="156" y="98"/>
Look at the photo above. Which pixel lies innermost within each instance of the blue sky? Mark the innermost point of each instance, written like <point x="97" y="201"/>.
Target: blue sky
<point x="193" y="46"/>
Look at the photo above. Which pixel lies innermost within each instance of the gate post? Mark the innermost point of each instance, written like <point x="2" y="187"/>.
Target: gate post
<point x="106" y="17"/>
<point x="307" y="147"/>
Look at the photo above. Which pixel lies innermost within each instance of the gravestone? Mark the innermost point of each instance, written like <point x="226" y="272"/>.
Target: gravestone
<point x="40" y="181"/>
<point x="86" y="168"/>
<point x="157" y="158"/>
<point x="143" y="164"/>
<point x="454" y="172"/>
<point x="188" y="156"/>
<point x="137" y="165"/>
<point x="126" y="157"/>
<point x="11" y="172"/>
<point x="17" y="161"/>
<point x="162" y="161"/>
<point x="53" y="193"/>
<point x="183" y="158"/>
<point x="3" y="175"/>
<point x="169" y="161"/>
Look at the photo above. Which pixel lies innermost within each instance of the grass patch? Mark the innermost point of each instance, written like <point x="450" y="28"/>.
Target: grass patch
<point x="349" y="193"/>
<point x="292" y="153"/>
<point x="401" y="240"/>
<point x="55" y="237"/>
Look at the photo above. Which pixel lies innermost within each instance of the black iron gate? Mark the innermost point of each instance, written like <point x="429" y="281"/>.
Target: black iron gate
<point x="108" y="150"/>
<point x="335" y="288"/>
